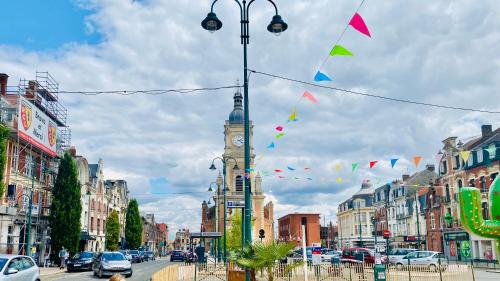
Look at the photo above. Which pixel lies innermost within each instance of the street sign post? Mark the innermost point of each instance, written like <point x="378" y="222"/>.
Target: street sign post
<point x="316" y="255"/>
<point x="235" y="204"/>
<point x="387" y="234"/>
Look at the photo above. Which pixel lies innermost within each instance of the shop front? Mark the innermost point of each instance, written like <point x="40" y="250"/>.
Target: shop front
<point x="457" y="246"/>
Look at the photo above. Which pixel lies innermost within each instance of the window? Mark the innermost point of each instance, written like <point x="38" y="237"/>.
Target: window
<point x="28" y="165"/>
<point x="492" y="151"/>
<point x="27" y="263"/>
<point x="460" y="184"/>
<point x="479" y="156"/>
<point x="42" y="171"/>
<point x="98" y="226"/>
<point x="447" y="193"/>
<point x="433" y="221"/>
<point x="15" y="158"/>
<point x="485" y="210"/>
<point x="445" y="168"/>
<point x="457" y="162"/>
<point x="471" y="183"/>
<point x="239" y="184"/>
<point x="482" y="184"/>
<point x="92" y="224"/>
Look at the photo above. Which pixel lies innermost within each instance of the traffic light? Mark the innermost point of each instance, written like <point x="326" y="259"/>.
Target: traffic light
<point x="261" y="233"/>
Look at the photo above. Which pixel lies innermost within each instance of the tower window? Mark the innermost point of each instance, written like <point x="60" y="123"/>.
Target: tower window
<point x="239" y="184"/>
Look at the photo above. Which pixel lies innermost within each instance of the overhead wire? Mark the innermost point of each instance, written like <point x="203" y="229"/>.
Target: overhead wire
<point x="372" y="95"/>
<point x="150" y="92"/>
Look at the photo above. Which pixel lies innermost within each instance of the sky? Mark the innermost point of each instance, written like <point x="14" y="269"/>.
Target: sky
<point x="435" y="52"/>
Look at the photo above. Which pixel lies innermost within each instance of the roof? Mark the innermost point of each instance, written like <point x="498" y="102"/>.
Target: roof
<point x="299" y="214"/>
<point x="418" y="179"/>
<point x="366" y="189"/>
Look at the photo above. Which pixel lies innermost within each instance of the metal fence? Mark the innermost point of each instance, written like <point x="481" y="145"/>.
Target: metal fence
<point x="323" y="272"/>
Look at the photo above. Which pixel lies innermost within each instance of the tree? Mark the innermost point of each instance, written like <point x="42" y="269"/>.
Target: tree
<point x="133" y="226"/>
<point x="4" y="135"/>
<point x="66" y="208"/>
<point x="264" y="256"/>
<point x="113" y="231"/>
<point x="234" y="235"/>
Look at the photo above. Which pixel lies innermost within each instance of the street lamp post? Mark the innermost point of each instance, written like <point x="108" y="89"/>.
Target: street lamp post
<point x="216" y="203"/>
<point x="360" y="229"/>
<point x="224" y="191"/>
<point x="374" y="222"/>
<point x="276" y="26"/>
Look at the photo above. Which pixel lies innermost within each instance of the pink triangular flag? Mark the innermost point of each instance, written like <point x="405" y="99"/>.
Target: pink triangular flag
<point x="279" y="128"/>
<point x="372" y="163"/>
<point x="310" y="97"/>
<point x="359" y="24"/>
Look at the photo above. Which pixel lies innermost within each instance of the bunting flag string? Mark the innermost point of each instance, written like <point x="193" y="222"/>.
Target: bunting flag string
<point x="271" y="146"/>
<point x="372" y="163"/>
<point x="416" y="160"/>
<point x="354" y="166"/>
<point x="339" y="50"/>
<point x="465" y="155"/>
<point x="310" y="97"/>
<point x="358" y="23"/>
<point x="279" y="128"/>
<point x="290" y="168"/>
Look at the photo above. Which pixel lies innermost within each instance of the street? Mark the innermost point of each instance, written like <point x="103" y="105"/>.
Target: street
<point x="486" y="275"/>
<point x="142" y="272"/>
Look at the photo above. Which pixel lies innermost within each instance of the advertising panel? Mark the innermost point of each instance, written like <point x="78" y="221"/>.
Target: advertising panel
<point x="36" y="127"/>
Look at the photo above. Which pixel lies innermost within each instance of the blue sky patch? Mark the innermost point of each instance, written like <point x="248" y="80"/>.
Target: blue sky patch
<point x="37" y="25"/>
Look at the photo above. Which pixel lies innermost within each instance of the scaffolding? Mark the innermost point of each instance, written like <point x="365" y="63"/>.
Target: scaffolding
<point x="44" y="93"/>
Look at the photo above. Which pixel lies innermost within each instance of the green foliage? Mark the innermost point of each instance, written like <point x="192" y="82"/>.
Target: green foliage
<point x="113" y="231"/>
<point x="234" y="234"/>
<point x="264" y="256"/>
<point x="66" y="208"/>
<point x="133" y="226"/>
<point x="4" y="135"/>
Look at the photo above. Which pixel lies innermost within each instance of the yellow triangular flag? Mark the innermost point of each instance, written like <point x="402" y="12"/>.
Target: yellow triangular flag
<point x="293" y="116"/>
<point x="337" y="167"/>
<point x="465" y="155"/>
<point x="339" y="180"/>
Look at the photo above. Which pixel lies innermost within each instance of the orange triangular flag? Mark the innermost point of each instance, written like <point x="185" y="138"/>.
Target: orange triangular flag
<point x="417" y="159"/>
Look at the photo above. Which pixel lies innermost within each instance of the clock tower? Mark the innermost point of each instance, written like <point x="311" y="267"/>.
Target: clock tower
<point x="262" y="216"/>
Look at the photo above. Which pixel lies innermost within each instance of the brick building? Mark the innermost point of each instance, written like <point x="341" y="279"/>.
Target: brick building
<point x="290" y="228"/>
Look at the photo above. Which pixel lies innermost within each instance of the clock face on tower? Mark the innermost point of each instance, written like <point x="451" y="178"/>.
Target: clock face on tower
<point x="238" y="140"/>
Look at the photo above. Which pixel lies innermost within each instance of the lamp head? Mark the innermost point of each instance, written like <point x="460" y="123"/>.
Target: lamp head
<point x="210" y="189"/>
<point x="211" y="23"/>
<point x="212" y="167"/>
<point x="236" y="168"/>
<point x="277" y="25"/>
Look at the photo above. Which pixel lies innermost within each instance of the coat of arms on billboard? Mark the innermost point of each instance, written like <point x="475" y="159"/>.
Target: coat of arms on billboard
<point x="26" y="115"/>
<point x="52" y="134"/>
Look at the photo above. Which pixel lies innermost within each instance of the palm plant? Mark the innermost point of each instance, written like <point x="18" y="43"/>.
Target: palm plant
<point x="264" y="256"/>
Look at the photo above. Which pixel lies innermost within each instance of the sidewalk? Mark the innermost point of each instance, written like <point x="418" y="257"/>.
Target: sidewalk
<point x="48" y="271"/>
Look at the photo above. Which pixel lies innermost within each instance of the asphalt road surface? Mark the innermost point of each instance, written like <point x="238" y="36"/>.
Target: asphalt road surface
<point x="141" y="272"/>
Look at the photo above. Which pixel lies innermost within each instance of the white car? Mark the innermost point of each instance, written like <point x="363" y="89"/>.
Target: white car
<point x="18" y="268"/>
<point x="430" y="258"/>
<point x="326" y="256"/>
<point x="396" y="255"/>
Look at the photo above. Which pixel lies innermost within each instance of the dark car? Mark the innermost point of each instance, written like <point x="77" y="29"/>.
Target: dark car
<point x="110" y="263"/>
<point x="150" y="256"/>
<point x="360" y="254"/>
<point x="176" y="255"/>
<point x="80" y="261"/>
<point x="135" y="256"/>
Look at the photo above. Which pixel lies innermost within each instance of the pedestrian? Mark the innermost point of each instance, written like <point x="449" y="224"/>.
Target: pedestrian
<point x="46" y="259"/>
<point x="66" y="257"/>
<point x="117" y="277"/>
<point x="62" y="255"/>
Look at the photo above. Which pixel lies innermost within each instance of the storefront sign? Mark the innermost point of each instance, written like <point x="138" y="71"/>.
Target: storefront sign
<point x="456" y="236"/>
<point x="36" y="127"/>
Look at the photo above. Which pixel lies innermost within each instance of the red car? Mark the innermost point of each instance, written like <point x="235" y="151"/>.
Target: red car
<point x="359" y="254"/>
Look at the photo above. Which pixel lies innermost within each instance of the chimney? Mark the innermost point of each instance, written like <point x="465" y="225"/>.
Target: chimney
<point x="405" y="177"/>
<point x="486" y="131"/>
<point x="72" y="151"/>
<point x="3" y="83"/>
<point x="430" y="167"/>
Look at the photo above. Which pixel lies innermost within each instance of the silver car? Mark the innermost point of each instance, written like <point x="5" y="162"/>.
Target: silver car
<point x="396" y="255"/>
<point x="430" y="258"/>
<point x="110" y="263"/>
<point x="18" y="268"/>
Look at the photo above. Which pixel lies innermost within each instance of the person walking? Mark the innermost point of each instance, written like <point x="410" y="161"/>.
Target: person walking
<point x="62" y="255"/>
<point x="46" y="259"/>
<point x="66" y="257"/>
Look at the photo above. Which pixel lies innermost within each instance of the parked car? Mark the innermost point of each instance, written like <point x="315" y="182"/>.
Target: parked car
<point x="18" y="268"/>
<point x="127" y="255"/>
<point x="430" y="258"/>
<point x="135" y="256"/>
<point x="396" y="255"/>
<point x="360" y="254"/>
<point x="150" y="255"/>
<point x="176" y="255"/>
<point x="326" y="256"/>
<point x="109" y="263"/>
<point x="80" y="261"/>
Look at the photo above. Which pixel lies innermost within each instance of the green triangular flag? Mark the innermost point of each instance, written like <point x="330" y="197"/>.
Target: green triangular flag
<point x="354" y="166"/>
<point x="340" y="51"/>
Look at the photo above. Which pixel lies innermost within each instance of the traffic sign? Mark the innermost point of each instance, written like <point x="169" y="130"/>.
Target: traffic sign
<point x="316" y="255"/>
<point x="235" y="204"/>
<point x="387" y="234"/>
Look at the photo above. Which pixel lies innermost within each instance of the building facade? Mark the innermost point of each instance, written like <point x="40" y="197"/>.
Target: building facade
<point x="149" y="232"/>
<point x="181" y="241"/>
<point x="37" y="123"/>
<point x="354" y="218"/>
<point x="290" y="228"/>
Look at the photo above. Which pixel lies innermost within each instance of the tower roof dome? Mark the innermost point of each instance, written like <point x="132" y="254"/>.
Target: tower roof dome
<point x="236" y="115"/>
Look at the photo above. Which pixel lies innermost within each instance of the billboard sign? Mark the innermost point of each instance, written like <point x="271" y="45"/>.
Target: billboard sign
<point x="235" y="204"/>
<point x="36" y="127"/>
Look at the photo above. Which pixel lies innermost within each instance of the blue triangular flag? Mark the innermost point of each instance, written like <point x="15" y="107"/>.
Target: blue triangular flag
<point x="320" y="76"/>
<point x="310" y="179"/>
<point x="393" y="162"/>
<point x="290" y="168"/>
<point x="271" y="146"/>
